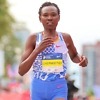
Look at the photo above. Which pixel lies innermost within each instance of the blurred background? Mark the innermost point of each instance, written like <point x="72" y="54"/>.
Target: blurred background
<point x="19" y="19"/>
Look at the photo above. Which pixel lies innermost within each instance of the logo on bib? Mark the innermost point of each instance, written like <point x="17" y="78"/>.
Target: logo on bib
<point x="57" y="46"/>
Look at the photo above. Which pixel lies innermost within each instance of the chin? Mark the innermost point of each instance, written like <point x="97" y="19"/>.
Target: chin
<point x="51" y="28"/>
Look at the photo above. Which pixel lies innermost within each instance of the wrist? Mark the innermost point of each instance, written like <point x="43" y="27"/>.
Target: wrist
<point x="77" y="58"/>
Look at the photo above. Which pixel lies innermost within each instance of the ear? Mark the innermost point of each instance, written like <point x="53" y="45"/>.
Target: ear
<point x="39" y="18"/>
<point x="59" y="18"/>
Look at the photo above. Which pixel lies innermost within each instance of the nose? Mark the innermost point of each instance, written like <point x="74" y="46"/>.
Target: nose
<point x="49" y="17"/>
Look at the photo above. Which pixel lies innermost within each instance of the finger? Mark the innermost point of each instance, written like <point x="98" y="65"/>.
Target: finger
<point x="83" y="63"/>
<point x="48" y="40"/>
<point x="85" y="60"/>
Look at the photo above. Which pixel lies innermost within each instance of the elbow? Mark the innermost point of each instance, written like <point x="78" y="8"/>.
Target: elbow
<point x="20" y="72"/>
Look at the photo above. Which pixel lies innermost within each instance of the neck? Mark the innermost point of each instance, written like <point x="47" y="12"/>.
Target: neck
<point x="50" y="32"/>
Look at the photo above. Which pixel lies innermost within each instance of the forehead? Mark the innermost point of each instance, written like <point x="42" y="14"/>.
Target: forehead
<point x="49" y="9"/>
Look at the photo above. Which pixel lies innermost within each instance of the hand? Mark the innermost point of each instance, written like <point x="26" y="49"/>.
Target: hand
<point x="46" y="42"/>
<point x="83" y="61"/>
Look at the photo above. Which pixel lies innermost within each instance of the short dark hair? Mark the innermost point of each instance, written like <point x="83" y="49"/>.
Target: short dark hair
<point x="48" y="4"/>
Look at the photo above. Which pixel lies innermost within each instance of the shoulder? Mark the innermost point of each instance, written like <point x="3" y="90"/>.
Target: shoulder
<point x="31" y="40"/>
<point x="33" y="36"/>
<point x="67" y="38"/>
<point x="65" y="35"/>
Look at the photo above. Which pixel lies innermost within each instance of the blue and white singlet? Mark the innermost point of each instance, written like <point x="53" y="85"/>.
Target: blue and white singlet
<point x="51" y="63"/>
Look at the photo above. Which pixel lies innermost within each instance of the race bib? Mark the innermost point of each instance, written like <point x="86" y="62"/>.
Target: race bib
<point x="52" y="62"/>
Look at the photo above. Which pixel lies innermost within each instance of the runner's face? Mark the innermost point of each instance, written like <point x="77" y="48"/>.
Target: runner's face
<point x="49" y="17"/>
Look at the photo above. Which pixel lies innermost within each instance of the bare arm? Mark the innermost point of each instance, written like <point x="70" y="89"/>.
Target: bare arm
<point x="75" y="57"/>
<point x="30" y="53"/>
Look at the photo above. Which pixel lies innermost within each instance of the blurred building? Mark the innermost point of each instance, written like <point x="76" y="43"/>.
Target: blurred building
<point x="90" y="74"/>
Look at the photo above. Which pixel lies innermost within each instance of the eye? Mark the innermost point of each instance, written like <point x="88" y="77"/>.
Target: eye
<point x="45" y="15"/>
<point x="54" y="15"/>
